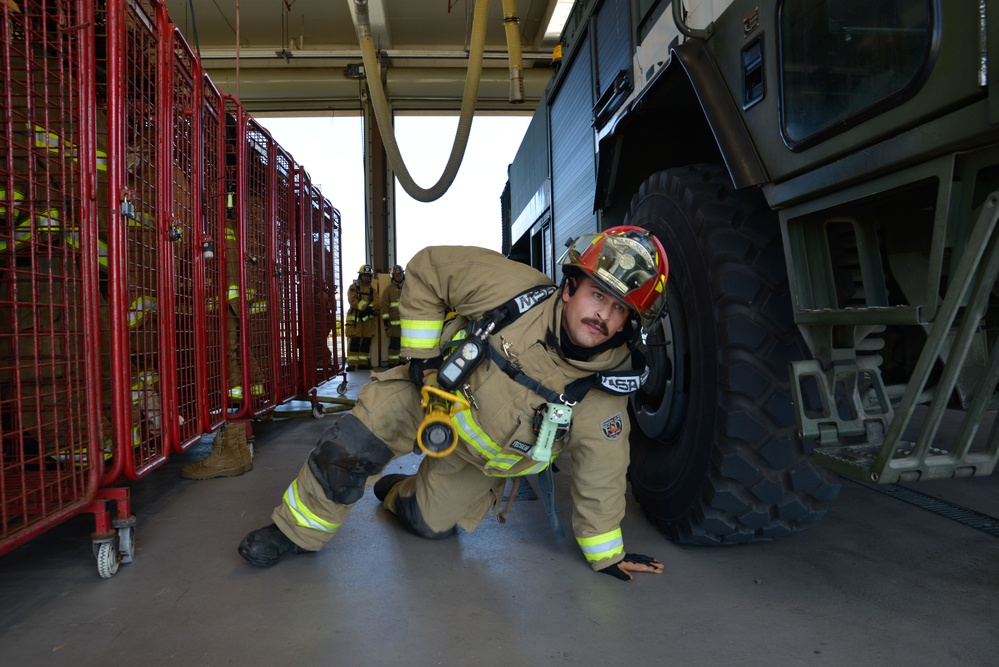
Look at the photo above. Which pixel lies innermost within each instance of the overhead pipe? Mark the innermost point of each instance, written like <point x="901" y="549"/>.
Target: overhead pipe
<point x="362" y="24"/>
<point x="512" y="25"/>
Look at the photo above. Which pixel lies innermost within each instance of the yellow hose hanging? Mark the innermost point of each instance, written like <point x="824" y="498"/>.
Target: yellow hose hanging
<point x="469" y="96"/>
<point x="512" y="25"/>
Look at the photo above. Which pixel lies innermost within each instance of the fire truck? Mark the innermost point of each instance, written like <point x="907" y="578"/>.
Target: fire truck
<point x="824" y="176"/>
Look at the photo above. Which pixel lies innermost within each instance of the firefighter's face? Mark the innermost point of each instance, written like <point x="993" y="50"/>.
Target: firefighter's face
<point x="365" y="277"/>
<point x="591" y="316"/>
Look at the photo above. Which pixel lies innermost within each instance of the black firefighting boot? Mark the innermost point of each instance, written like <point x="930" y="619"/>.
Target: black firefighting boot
<point x="267" y="546"/>
<point x="385" y="484"/>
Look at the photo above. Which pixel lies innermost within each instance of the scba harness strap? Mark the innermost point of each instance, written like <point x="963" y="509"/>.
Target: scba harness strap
<point x="468" y="353"/>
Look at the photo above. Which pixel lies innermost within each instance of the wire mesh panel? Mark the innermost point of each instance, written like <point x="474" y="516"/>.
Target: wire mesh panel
<point x="261" y="306"/>
<point x="49" y="433"/>
<point x="188" y="283"/>
<point x="318" y="298"/>
<point x="286" y="301"/>
<point x="325" y="296"/>
<point x="141" y="257"/>
<point x="309" y="342"/>
<point x="333" y="277"/>
<point x="211" y="222"/>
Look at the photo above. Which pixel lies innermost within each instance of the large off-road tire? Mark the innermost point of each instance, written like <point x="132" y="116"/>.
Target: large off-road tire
<point x="715" y="458"/>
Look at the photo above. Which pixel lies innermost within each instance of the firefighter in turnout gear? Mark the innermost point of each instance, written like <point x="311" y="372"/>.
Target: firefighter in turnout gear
<point x="548" y="350"/>
<point x="362" y="319"/>
<point x="389" y="308"/>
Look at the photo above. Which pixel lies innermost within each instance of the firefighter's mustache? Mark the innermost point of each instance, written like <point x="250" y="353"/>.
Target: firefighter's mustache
<point x="597" y="323"/>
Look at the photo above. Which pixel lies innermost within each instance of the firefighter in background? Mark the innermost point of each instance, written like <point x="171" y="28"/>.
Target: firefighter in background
<point x="541" y="350"/>
<point x="389" y="308"/>
<point x="362" y="320"/>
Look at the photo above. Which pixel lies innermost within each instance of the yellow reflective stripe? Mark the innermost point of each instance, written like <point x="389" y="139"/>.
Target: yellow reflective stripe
<point x="73" y="240"/>
<point x="385" y="316"/>
<point x="20" y="237"/>
<point x="395" y="322"/>
<point x="499" y="463"/>
<point x="233" y="293"/>
<point x="257" y="389"/>
<point x="236" y="392"/>
<point x="46" y="221"/>
<point x="18" y="196"/>
<point x="137" y="309"/>
<point x="144" y="380"/>
<point x="421" y="334"/>
<point x="600" y="547"/>
<point x="49" y="140"/>
<point x="362" y="304"/>
<point x="142" y="220"/>
<point x="303" y="515"/>
<point x="393" y="304"/>
<point x="230" y="234"/>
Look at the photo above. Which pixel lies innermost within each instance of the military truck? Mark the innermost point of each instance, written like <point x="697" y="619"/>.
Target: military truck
<point x="823" y="175"/>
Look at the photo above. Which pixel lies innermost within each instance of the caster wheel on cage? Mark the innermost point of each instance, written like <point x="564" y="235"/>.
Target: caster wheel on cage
<point x="342" y="388"/>
<point x="318" y="410"/>
<point x="126" y="541"/>
<point x="107" y="559"/>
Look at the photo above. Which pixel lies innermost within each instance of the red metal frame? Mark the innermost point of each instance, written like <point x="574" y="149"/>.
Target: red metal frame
<point x="334" y="277"/>
<point x="285" y="316"/>
<point x="139" y="248"/>
<point x="121" y="165"/>
<point x="340" y="351"/>
<point x="188" y="280"/>
<point x="259" y="293"/>
<point x="49" y="388"/>
<point x="210" y="308"/>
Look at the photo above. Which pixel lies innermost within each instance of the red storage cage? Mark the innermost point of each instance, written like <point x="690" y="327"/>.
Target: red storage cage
<point x="212" y="234"/>
<point x="53" y="449"/>
<point x="249" y="182"/>
<point x="307" y="344"/>
<point x="333" y="276"/>
<point x="315" y="293"/>
<point x="134" y="109"/>
<point x="187" y="289"/>
<point x="285" y="304"/>
<point x="259" y="266"/>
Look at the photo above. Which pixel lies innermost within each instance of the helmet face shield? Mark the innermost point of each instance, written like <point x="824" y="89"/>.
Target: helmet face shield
<point x="629" y="262"/>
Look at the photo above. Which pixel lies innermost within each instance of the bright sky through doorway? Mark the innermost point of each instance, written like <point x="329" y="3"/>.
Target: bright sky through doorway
<point x="331" y="150"/>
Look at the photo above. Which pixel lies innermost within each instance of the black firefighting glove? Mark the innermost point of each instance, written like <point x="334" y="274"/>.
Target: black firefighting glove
<point x="418" y="366"/>
<point x="633" y="563"/>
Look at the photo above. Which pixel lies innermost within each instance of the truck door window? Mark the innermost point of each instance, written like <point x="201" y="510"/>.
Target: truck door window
<point x="844" y="59"/>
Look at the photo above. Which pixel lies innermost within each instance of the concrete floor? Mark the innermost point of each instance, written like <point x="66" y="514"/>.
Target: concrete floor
<point x="877" y="582"/>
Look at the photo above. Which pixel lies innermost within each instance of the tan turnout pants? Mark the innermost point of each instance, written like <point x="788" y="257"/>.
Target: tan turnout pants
<point x="449" y="491"/>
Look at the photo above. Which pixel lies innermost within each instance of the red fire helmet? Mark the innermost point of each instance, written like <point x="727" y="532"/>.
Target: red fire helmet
<point x="629" y="263"/>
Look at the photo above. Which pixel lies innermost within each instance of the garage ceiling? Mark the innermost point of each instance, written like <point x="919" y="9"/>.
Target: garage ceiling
<point x="293" y="55"/>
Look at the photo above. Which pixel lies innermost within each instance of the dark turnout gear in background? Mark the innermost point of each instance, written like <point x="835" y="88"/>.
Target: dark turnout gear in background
<point x="389" y="308"/>
<point x="362" y="318"/>
<point x="496" y="432"/>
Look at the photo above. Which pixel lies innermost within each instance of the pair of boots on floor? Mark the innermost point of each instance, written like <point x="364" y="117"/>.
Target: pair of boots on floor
<point x="231" y="455"/>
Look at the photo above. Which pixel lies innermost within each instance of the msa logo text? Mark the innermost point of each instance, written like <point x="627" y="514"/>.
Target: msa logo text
<point x="621" y="385"/>
<point x="527" y="301"/>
